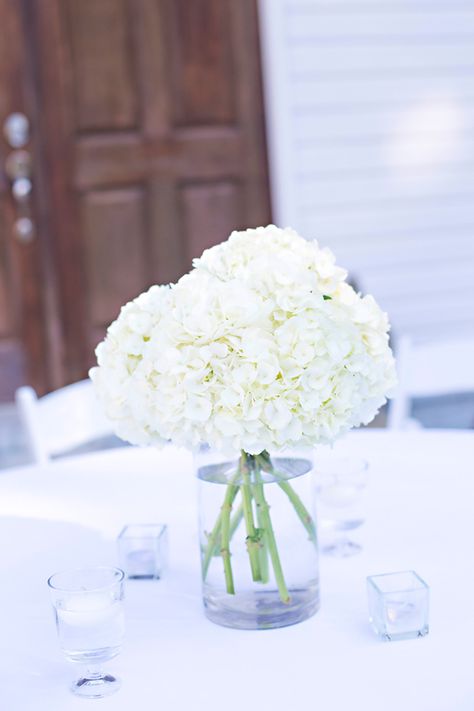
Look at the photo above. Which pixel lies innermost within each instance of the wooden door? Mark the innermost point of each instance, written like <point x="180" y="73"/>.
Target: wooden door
<point x="152" y="133"/>
<point x="23" y="353"/>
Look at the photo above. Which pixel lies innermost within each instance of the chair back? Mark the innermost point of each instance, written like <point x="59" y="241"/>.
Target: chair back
<point x="429" y="370"/>
<point x="61" y="420"/>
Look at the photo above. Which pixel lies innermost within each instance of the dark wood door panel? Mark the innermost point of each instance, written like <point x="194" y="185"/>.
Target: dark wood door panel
<point x="103" y="73"/>
<point x="116" y="252"/>
<point x="205" y="154"/>
<point x="202" y="59"/>
<point x="209" y="212"/>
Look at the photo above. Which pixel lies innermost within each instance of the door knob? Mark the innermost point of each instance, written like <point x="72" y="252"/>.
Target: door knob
<point x="24" y="229"/>
<point x="16" y="129"/>
<point x="21" y="189"/>
<point x="18" y="168"/>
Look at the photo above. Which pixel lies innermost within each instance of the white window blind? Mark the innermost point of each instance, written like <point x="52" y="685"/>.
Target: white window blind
<point x="370" y="112"/>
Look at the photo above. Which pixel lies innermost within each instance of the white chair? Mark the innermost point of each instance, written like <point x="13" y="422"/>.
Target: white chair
<point x="61" y="420"/>
<point x="429" y="370"/>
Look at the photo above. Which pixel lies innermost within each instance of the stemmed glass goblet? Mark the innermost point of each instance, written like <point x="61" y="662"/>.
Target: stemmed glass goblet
<point x="88" y="605"/>
<point x="340" y="485"/>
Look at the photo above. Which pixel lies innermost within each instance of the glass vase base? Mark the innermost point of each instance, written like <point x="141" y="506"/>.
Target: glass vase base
<point x="259" y="610"/>
<point x="96" y="687"/>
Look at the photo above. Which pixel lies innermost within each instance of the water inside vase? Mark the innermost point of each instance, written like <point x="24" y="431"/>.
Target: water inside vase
<point x="258" y="604"/>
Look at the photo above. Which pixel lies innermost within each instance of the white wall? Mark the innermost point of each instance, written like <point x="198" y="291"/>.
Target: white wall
<point x="370" y="110"/>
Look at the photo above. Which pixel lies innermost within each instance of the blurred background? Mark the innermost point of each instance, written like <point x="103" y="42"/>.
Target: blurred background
<point x="136" y="133"/>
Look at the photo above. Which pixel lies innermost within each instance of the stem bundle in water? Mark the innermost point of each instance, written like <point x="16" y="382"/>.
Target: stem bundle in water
<point x="260" y="539"/>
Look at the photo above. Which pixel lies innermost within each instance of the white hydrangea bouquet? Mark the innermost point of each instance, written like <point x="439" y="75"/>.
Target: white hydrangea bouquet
<point x="261" y="347"/>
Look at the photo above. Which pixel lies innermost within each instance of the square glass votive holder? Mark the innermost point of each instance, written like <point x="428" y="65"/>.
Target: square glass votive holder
<point x="143" y="550"/>
<point x="398" y="605"/>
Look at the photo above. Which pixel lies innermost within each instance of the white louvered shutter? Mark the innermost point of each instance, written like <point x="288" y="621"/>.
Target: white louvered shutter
<point x="370" y="111"/>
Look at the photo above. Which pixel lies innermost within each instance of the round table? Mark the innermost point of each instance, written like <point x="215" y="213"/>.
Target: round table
<point x="419" y="516"/>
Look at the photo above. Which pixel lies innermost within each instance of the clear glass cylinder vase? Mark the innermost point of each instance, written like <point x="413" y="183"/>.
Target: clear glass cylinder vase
<point x="258" y="542"/>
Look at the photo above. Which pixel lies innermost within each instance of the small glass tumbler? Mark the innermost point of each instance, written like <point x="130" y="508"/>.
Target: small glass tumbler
<point x="88" y="605"/>
<point x="143" y="550"/>
<point x="398" y="605"/>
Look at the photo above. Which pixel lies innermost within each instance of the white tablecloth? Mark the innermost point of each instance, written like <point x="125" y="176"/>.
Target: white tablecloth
<point x="420" y="516"/>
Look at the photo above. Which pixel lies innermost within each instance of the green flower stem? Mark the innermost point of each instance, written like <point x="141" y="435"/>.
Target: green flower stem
<point x="234" y="524"/>
<point x="213" y="545"/>
<point x="271" y="542"/>
<point x="252" y="539"/>
<point x="300" y="508"/>
<point x="236" y="519"/>
<point x="262" y="552"/>
<point x="225" y="538"/>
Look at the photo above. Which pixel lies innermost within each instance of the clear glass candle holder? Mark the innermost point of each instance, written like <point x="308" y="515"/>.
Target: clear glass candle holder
<point x="143" y="550"/>
<point x="398" y="605"/>
<point x="88" y="605"/>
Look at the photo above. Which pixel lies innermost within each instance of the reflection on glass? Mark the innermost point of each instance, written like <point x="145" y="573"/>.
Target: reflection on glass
<point x="340" y="486"/>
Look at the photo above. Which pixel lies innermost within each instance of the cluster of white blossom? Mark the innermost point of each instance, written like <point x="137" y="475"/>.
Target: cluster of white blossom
<point x="263" y="345"/>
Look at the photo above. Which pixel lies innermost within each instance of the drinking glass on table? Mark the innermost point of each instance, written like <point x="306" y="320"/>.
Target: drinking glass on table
<point x="340" y="486"/>
<point x="88" y="605"/>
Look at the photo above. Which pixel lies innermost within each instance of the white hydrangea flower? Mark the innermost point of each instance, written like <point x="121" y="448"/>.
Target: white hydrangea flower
<point x="263" y="345"/>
